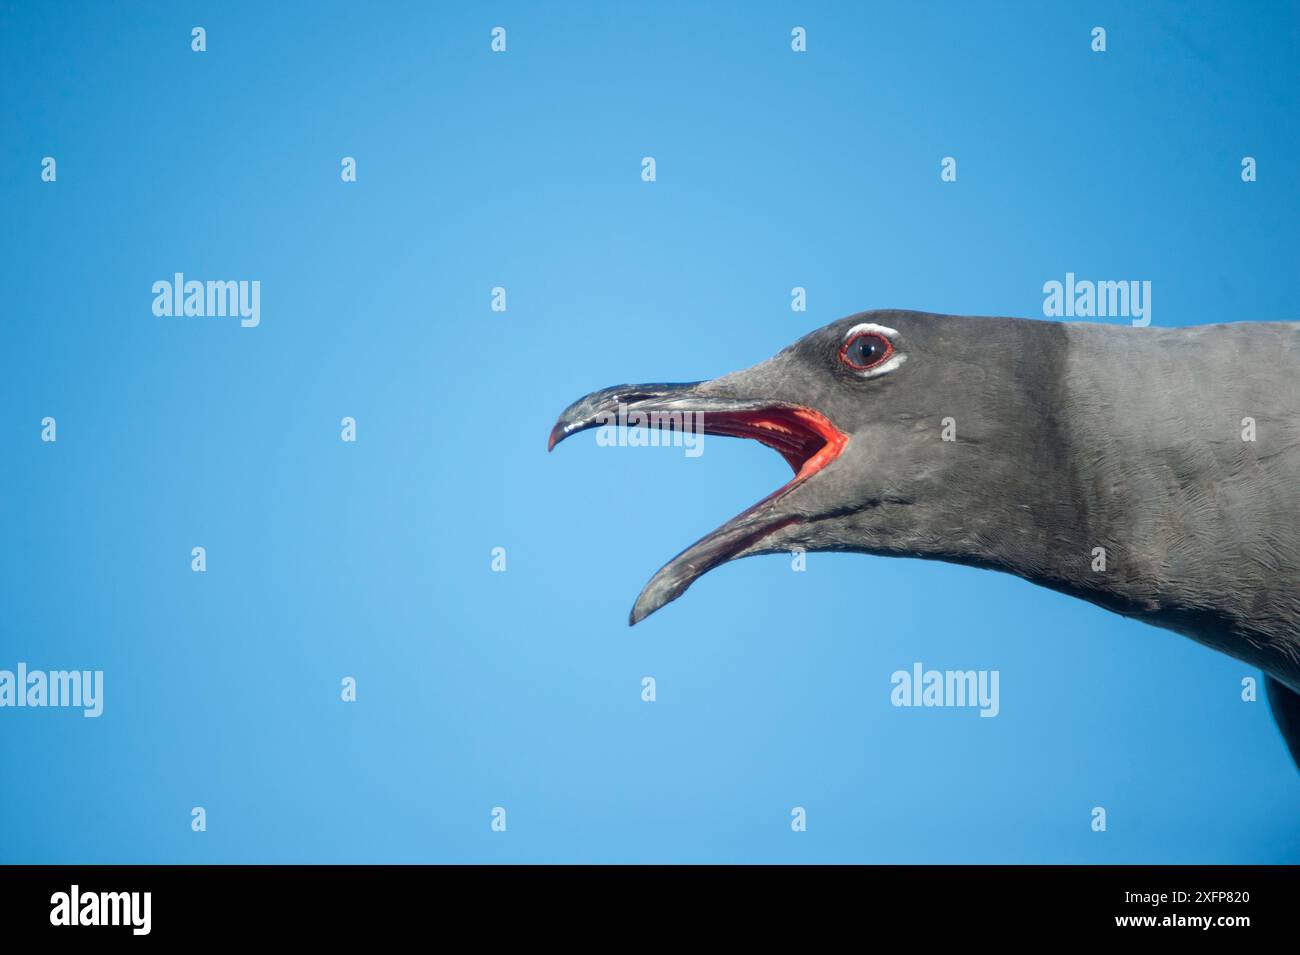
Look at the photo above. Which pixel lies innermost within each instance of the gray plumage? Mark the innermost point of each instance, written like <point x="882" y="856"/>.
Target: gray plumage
<point x="1066" y="438"/>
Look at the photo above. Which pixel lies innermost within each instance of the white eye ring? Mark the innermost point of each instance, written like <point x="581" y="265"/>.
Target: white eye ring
<point x="885" y="332"/>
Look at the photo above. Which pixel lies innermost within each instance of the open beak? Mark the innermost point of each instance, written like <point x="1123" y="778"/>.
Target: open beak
<point x="805" y="437"/>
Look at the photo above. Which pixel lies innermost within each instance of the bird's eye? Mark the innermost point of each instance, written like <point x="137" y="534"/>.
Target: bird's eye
<point x="865" y="350"/>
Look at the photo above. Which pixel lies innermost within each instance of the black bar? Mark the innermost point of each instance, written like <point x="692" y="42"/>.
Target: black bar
<point x="206" y="903"/>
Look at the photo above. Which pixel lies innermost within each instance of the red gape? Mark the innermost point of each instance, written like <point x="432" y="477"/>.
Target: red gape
<point x="805" y="438"/>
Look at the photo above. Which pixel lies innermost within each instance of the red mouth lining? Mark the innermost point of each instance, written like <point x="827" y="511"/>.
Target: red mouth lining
<point x="804" y="437"/>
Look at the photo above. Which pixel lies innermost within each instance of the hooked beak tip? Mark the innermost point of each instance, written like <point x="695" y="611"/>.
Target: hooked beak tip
<point x="557" y="433"/>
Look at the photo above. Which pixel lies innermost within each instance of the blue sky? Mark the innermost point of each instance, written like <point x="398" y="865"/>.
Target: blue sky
<point x="371" y="559"/>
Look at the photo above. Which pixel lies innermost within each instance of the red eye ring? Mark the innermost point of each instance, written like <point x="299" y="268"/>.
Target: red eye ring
<point x="881" y="351"/>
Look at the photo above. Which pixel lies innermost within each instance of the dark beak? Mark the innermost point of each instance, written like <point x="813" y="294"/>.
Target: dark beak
<point x="804" y="436"/>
